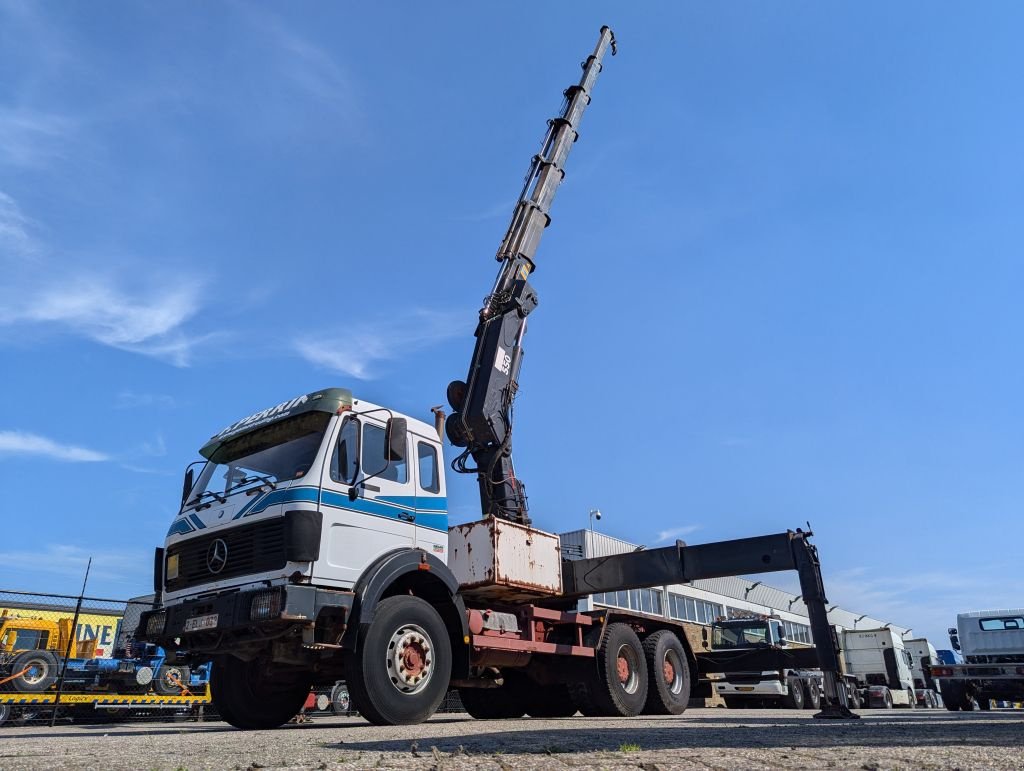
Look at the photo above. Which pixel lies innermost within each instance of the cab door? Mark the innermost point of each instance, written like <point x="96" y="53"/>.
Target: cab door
<point x="382" y="515"/>
<point x="431" y="503"/>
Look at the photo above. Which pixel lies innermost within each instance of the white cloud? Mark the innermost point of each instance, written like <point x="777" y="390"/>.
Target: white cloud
<point x="23" y="443"/>
<point x="146" y="321"/>
<point x="16" y="239"/>
<point x="674" y="533"/>
<point x="29" y="138"/>
<point x="359" y="351"/>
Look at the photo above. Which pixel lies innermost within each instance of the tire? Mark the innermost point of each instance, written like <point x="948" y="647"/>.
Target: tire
<point x="617" y="686"/>
<point x="5" y="713"/>
<point x="246" y="699"/>
<point x="795" y="698"/>
<point x="668" y="674"/>
<point x="163" y="684"/>
<point x="911" y="698"/>
<point x="550" y="701"/>
<point x="855" y="702"/>
<point x="43" y="668"/>
<point x="812" y="695"/>
<point x="507" y="701"/>
<point x="341" y="700"/>
<point x="984" y="704"/>
<point x="400" y="671"/>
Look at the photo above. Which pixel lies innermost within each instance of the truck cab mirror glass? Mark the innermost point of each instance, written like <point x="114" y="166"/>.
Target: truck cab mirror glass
<point x="704" y="635"/>
<point x="394" y="445"/>
<point x="187" y="484"/>
<point x="780" y="634"/>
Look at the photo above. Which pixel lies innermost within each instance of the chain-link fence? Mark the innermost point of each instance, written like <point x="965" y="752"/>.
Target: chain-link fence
<point x="66" y="658"/>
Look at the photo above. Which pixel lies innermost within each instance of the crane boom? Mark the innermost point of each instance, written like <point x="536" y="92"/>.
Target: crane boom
<point x="481" y="421"/>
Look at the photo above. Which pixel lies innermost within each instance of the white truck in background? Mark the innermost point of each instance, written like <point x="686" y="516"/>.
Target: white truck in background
<point x="746" y="685"/>
<point x="879" y="662"/>
<point x="923" y="656"/>
<point x="992" y="644"/>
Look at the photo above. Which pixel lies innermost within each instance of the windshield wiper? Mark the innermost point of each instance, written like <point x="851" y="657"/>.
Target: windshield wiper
<point x="220" y="498"/>
<point x="263" y="480"/>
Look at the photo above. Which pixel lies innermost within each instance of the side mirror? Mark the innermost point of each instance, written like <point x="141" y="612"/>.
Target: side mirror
<point x="704" y="635"/>
<point x="780" y="634"/>
<point x="187" y="484"/>
<point x="395" y="439"/>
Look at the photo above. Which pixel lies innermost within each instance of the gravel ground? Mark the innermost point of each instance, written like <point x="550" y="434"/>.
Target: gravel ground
<point x="702" y="738"/>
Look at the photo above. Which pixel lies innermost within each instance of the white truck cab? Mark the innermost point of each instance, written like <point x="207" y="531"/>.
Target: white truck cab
<point x="882" y="666"/>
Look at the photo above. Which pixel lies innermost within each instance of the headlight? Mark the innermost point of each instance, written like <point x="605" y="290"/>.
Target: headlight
<point x="172" y="567"/>
<point x="265" y="605"/>
<point x="155" y="624"/>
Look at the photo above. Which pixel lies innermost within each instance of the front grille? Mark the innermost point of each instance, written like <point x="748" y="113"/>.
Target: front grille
<point x="254" y="548"/>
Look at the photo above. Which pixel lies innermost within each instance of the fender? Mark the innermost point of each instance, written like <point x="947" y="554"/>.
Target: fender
<point x="394" y="566"/>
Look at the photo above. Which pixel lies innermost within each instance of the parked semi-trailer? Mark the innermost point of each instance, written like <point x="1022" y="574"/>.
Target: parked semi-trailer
<point x="992" y="644"/>
<point x="314" y="545"/>
<point x="922" y="656"/>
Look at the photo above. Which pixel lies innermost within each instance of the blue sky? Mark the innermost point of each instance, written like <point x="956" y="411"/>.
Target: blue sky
<point x="781" y="284"/>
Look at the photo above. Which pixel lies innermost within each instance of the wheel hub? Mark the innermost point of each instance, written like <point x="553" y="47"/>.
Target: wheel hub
<point x="410" y="658"/>
<point x="626" y="666"/>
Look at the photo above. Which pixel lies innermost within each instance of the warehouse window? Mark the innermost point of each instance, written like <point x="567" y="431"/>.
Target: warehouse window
<point x="640" y="600"/>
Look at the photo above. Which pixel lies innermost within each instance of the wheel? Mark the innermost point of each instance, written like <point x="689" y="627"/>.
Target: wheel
<point x="248" y="699"/>
<point x="36" y="671"/>
<point x="911" y="698"/>
<point x="812" y="696"/>
<point x="550" y="701"/>
<point x="167" y="676"/>
<point x="5" y="713"/>
<point x="617" y="686"/>
<point x="400" y="671"/>
<point x="668" y="686"/>
<point x="795" y="698"/>
<point x="984" y="704"/>
<point x="507" y="701"/>
<point x="341" y="702"/>
<point x="855" y="702"/>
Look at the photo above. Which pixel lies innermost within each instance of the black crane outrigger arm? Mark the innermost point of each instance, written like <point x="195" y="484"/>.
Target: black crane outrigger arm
<point x="763" y="554"/>
<point x="482" y="404"/>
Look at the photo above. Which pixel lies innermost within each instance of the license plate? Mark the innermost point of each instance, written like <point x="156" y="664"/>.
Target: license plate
<point x="201" y="622"/>
<point x="744" y="687"/>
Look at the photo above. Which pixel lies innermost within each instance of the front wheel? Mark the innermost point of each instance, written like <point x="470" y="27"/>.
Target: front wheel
<point x="171" y="679"/>
<point x="35" y="671"/>
<point x="248" y="696"/>
<point x="795" y="698"/>
<point x="400" y="672"/>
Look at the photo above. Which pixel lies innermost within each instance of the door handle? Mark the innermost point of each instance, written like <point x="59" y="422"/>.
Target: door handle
<point x="406" y="516"/>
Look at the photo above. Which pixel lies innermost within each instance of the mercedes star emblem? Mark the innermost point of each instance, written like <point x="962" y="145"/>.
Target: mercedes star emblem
<point x="217" y="556"/>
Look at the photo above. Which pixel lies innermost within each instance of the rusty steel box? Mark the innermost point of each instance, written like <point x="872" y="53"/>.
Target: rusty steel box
<point x="497" y="560"/>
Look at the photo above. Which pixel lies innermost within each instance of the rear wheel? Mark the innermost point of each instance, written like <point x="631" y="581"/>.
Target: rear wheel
<point x="617" y="686"/>
<point x="36" y="671"/>
<point x="668" y="687"/>
<point x="812" y="694"/>
<point x="247" y="698"/>
<point x="550" y="701"/>
<point x="400" y="672"/>
<point x="507" y="701"/>
<point x="911" y="698"/>
<point x="341" y="702"/>
<point x="794" y="699"/>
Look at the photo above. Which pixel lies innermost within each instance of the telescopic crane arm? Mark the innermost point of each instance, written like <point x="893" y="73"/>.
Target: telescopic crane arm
<point x="481" y="421"/>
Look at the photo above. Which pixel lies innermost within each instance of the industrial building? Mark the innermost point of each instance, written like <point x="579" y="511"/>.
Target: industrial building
<point x="704" y="601"/>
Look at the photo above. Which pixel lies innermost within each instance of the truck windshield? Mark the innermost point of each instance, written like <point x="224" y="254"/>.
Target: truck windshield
<point x="739" y="635"/>
<point x="276" y="453"/>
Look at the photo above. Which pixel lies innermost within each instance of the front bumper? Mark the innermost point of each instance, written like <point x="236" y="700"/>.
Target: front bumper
<point x="238" y="615"/>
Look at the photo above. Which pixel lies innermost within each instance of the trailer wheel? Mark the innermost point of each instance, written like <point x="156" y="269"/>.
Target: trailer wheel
<point x="668" y="687"/>
<point x="813" y="695"/>
<point x="550" y="701"/>
<point x="5" y="713"/>
<point x="247" y="699"/>
<point x="617" y="686"/>
<point x="167" y="676"/>
<point x="42" y="669"/>
<point x="795" y="698"/>
<point x="400" y="671"/>
<point x="505" y="702"/>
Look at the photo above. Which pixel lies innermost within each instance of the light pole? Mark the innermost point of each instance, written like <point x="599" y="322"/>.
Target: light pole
<point x="594" y="514"/>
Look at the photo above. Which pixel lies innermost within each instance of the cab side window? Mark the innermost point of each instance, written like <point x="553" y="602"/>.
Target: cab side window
<point x="429" y="479"/>
<point x="346" y="453"/>
<point x="374" y="461"/>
